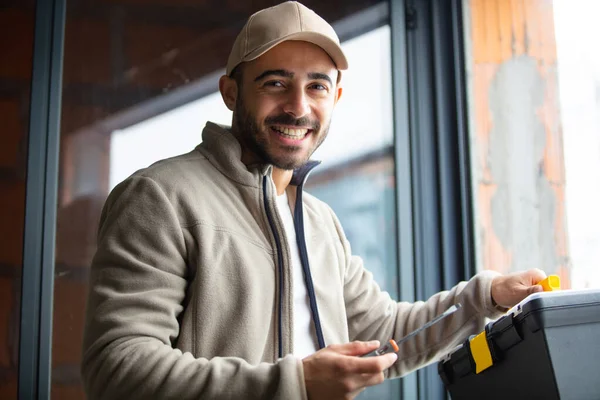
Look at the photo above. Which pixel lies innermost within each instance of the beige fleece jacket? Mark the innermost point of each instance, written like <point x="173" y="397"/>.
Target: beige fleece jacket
<point x="184" y="287"/>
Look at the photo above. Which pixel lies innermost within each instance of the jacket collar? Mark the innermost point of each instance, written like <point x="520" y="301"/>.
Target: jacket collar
<point x="224" y="151"/>
<point x="301" y="174"/>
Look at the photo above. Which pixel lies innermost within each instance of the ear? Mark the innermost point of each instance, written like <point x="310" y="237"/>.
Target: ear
<point x="229" y="91"/>
<point x="338" y="93"/>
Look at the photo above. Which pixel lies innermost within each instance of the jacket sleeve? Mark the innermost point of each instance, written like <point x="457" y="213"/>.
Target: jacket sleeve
<point x="138" y="283"/>
<point x="372" y="314"/>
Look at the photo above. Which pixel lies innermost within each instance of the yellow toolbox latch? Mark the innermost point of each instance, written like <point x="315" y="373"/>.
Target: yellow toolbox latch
<point x="480" y="351"/>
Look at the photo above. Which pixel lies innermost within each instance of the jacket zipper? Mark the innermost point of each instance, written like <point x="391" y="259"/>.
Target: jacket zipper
<point x="302" y="250"/>
<point x="301" y="240"/>
<point x="279" y="267"/>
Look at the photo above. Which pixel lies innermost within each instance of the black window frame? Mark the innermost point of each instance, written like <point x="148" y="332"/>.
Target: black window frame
<point x="37" y="288"/>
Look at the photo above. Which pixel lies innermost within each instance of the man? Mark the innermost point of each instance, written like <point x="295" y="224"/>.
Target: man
<point x="216" y="277"/>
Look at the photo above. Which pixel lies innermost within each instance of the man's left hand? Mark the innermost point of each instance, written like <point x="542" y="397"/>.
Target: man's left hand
<point x="508" y="290"/>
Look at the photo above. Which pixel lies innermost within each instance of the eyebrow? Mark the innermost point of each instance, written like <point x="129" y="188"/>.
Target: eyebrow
<point x="288" y="74"/>
<point x="277" y="72"/>
<point x="318" y="75"/>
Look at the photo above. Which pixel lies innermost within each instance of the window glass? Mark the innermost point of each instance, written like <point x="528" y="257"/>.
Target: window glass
<point x="140" y="83"/>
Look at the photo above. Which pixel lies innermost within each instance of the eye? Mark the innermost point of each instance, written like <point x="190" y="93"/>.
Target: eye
<point x="318" y="86"/>
<point x="277" y="84"/>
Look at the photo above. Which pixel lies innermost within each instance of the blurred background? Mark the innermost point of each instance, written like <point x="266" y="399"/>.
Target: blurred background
<point x="468" y="138"/>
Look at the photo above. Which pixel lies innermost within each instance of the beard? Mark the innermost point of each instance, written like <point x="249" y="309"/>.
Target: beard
<point x="255" y="139"/>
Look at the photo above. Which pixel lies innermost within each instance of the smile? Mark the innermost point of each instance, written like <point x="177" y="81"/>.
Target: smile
<point x="291" y="133"/>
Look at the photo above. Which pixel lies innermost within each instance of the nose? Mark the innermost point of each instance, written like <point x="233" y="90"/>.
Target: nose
<point x="297" y="104"/>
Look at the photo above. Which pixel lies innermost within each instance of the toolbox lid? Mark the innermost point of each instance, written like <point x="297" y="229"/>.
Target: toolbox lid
<point x="548" y="309"/>
<point x="559" y="308"/>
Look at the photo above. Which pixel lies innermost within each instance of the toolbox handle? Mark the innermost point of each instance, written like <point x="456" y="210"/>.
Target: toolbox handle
<point x="551" y="283"/>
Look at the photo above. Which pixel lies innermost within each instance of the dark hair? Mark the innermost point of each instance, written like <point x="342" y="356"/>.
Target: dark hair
<point x="237" y="74"/>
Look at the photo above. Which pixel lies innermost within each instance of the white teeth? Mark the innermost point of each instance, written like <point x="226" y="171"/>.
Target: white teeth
<point x="293" y="133"/>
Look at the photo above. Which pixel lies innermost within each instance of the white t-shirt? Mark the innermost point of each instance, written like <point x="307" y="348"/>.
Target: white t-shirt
<point x="304" y="336"/>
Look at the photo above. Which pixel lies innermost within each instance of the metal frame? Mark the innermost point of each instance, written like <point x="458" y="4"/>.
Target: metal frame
<point x="35" y="346"/>
<point x="426" y="190"/>
<point x="469" y="266"/>
<point x="434" y="197"/>
<point x="403" y="168"/>
<point x="453" y="150"/>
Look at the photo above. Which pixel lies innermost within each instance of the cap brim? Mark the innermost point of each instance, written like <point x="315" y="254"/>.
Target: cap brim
<point x="332" y="48"/>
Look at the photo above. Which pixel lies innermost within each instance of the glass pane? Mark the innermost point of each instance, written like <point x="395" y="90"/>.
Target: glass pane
<point x="357" y="175"/>
<point x="140" y="83"/>
<point x="535" y="125"/>
<point x="579" y="94"/>
<point x="17" y="22"/>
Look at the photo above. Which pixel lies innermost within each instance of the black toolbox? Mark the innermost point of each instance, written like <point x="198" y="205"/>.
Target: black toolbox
<point x="546" y="347"/>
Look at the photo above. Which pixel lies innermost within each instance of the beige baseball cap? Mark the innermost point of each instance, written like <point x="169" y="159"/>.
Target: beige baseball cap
<point x="291" y="20"/>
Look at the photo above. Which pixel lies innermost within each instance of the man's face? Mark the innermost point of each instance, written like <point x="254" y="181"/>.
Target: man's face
<point x="284" y="105"/>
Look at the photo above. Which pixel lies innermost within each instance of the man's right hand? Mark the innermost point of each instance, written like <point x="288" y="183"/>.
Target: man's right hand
<point x="336" y="372"/>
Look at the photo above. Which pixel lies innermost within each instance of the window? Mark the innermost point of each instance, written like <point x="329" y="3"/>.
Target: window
<point x="139" y="84"/>
<point x="356" y="177"/>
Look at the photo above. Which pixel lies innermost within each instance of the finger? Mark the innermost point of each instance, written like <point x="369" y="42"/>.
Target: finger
<point x="373" y="379"/>
<point x="536" y="275"/>
<point x="355" y="348"/>
<point x="535" y="289"/>
<point x="387" y="360"/>
<point x="355" y="393"/>
<point x="362" y="381"/>
<point x="370" y="365"/>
